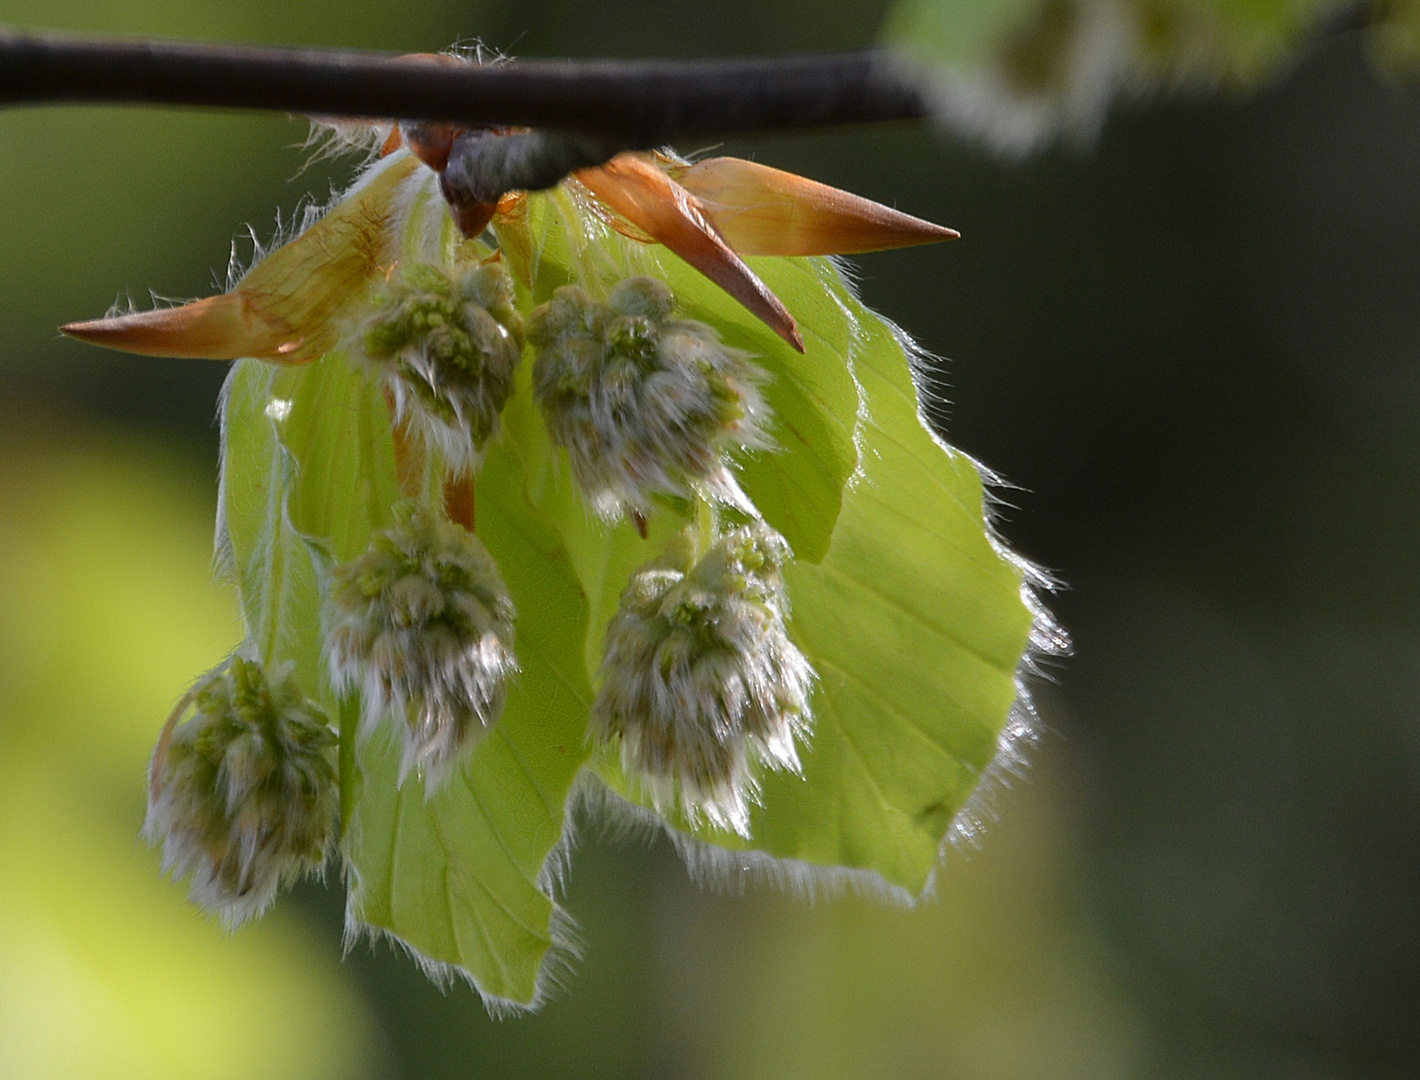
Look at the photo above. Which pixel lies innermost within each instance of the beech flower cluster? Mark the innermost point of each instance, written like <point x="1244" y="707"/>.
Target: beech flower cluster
<point x="700" y="682"/>
<point x="426" y="305"/>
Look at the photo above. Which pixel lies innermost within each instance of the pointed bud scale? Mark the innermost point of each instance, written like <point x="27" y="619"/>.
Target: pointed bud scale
<point x="701" y="683"/>
<point x="764" y="211"/>
<point x="217" y="328"/>
<point x="290" y="307"/>
<point x="422" y="627"/>
<point x="644" y="403"/>
<point x="445" y="343"/>
<point x="645" y="196"/>
<point x="242" y="796"/>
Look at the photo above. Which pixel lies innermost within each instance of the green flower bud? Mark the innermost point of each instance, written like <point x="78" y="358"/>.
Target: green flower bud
<point x="446" y="344"/>
<point x="421" y="626"/>
<point x="242" y="796"/>
<point x="701" y="683"/>
<point x="643" y="403"/>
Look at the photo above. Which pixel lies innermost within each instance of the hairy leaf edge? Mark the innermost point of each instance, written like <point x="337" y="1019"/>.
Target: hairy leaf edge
<point x="733" y="871"/>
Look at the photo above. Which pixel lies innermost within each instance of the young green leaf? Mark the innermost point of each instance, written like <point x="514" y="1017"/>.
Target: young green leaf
<point x="455" y="878"/>
<point x="915" y="622"/>
<point x="827" y="662"/>
<point x="1019" y="73"/>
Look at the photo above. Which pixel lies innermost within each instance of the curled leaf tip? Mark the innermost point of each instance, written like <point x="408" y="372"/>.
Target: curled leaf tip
<point x="218" y="328"/>
<point x="764" y="211"/>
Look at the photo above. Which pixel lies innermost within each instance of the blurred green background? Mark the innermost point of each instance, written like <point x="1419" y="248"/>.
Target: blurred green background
<point x="1196" y="347"/>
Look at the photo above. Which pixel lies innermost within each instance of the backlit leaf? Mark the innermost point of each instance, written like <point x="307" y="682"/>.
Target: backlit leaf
<point x="915" y="624"/>
<point x="1020" y="72"/>
<point x="911" y="616"/>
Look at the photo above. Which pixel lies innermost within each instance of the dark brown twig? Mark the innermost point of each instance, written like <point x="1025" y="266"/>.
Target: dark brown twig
<point x="627" y="103"/>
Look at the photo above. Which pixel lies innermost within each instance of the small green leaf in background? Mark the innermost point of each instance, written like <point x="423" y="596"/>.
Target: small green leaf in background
<point x="1018" y="73"/>
<point x="1395" y="39"/>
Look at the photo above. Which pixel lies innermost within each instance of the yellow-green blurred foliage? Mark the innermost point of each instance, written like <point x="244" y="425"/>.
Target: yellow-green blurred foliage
<point x="996" y="977"/>
<point x="107" y="611"/>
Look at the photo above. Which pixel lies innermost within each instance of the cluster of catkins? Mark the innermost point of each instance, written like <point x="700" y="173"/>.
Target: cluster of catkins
<point x="700" y="683"/>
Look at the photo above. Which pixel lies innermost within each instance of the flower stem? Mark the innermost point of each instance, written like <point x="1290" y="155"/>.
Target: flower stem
<point x="706" y="525"/>
<point x="459" y="500"/>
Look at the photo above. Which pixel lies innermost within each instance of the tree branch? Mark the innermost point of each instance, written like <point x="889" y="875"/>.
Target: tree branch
<point x="628" y="103"/>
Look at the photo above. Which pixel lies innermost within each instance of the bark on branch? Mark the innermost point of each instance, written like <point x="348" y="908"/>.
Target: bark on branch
<point x="639" y="104"/>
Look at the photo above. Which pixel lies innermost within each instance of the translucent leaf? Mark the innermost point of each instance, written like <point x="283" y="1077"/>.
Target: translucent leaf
<point x="460" y="876"/>
<point x="916" y="625"/>
<point x="911" y="616"/>
<point x="270" y="562"/>
<point x="1020" y="72"/>
<point x="455" y="877"/>
<point x="798" y="487"/>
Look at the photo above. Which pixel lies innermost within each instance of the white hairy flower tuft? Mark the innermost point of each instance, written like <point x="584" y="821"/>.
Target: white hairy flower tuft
<point x="242" y="796"/>
<point x="421" y="626"/>
<point x="445" y="343"/>
<point x="644" y="404"/>
<point x="701" y="682"/>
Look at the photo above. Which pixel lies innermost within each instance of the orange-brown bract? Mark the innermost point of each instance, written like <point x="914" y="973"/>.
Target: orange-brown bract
<point x="709" y="214"/>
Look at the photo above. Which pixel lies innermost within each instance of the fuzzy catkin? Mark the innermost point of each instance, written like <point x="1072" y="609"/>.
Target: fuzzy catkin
<point x="445" y="342"/>
<point x="422" y="626"/>
<point x="243" y="794"/>
<point x="645" y="404"/>
<point x="701" y="683"/>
